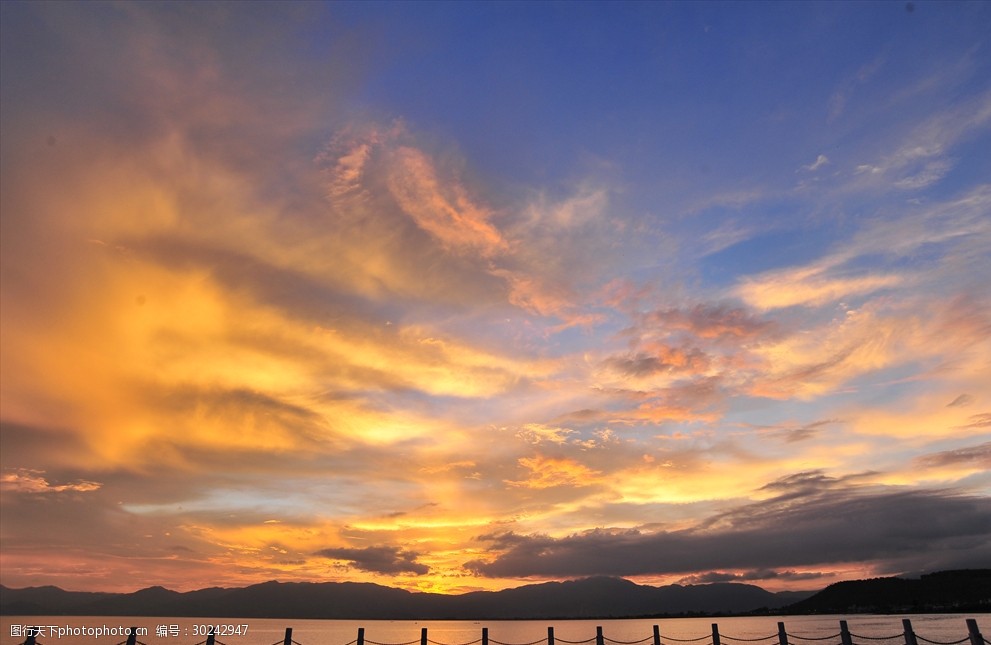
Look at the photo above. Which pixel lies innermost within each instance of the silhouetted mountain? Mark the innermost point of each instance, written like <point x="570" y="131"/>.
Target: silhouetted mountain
<point x="965" y="590"/>
<point x="587" y="598"/>
<point x="34" y="601"/>
<point x="612" y="597"/>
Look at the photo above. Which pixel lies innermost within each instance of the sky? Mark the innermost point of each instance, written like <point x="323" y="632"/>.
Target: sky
<point x="466" y="296"/>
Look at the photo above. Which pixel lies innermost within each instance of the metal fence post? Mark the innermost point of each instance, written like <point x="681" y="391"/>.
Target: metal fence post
<point x="782" y="634"/>
<point x="974" y="632"/>
<point x="132" y="636"/>
<point x="909" y="634"/>
<point x="845" y="633"/>
<point x="423" y="636"/>
<point x="361" y="636"/>
<point x="485" y="636"/>
<point x="598" y="636"/>
<point x="657" y="635"/>
<point x="288" y="638"/>
<point x="715" y="634"/>
<point x="210" y="638"/>
<point x="550" y="636"/>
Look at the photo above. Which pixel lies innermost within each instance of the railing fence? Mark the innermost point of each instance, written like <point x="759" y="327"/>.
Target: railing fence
<point x="845" y="636"/>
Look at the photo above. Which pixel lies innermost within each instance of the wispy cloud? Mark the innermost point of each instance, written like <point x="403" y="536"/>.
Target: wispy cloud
<point x="31" y="481"/>
<point x="812" y="285"/>
<point x="453" y="218"/>
<point x="841" y="97"/>
<point x="820" y="161"/>
<point x="924" y="158"/>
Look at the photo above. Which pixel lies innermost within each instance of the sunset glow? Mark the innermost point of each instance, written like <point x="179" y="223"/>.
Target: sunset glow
<point x="465" y="296"/>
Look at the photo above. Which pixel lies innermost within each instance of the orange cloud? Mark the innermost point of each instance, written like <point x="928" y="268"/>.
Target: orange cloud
<point x="876" y="337"/>
<point x="31" y="481"/>
<point x="443" y="210"/>
<point x="808" y="286"/>
<point x="552" y="472"/>
<point x="537" y="433"/>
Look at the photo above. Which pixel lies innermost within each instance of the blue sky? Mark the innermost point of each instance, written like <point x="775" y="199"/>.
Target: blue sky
<point x="453" y="296"/>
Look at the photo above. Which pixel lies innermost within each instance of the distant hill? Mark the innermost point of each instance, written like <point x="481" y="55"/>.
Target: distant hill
<point x="964" y="590"/>
<point x="957" y="591"/>
<point x="588" y="598"/>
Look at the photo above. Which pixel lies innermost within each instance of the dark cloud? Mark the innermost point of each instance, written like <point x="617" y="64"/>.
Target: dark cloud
<point x="979" y="455"/>
<point x="753" y="575"/>
<point x="807" y="431"/>
<point x="637" y="365"/>
<point x="38" y="446"/>
<point x="818" y="370"/>
<point x="318" y="298"/>
<point x="817" y="522"/>
<point x="660" y="358"/>
<point x="379" y="559"/>
<point x="960" y="401"/>
<point x="712" y="321"/>
<point x="808" y="482"/>
<point x="709" y="578"/>
<point x="799" y="575"/>
<point x="185" y="62"/>
<point x="241" y="407"/>
<point x="803" y="482"/>
<point x="978" y="421"/>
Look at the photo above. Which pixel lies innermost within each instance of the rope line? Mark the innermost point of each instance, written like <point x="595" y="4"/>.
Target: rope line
<point x="587" y="640"/>
<point x="687" y="640"/>
<point x="962" y="640"/>
<point x="542" y="640"/>
<point x="642" y="640"/>
<point x="877" y="638"/>
<point x="829" y="638"/>
<point x="406" y="643"/>
<point x="748" y="640"/>
<point x="477" y="640"/>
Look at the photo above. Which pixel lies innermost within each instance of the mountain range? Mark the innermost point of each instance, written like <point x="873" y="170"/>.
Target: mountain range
<point x="599" y="597"/>
<point x="590" y="597"/>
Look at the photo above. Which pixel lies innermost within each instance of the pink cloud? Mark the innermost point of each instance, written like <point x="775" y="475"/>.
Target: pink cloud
<point x="443" y="209"/>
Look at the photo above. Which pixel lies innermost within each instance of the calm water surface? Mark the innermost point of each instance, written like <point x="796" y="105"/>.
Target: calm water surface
<point x="943" y="628"/>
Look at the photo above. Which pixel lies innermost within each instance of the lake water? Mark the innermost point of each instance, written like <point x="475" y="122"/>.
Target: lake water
<point x="941" y="629"/>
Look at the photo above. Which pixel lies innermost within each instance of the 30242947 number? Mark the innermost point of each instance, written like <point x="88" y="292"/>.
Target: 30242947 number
<point x="220" y="630"/>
